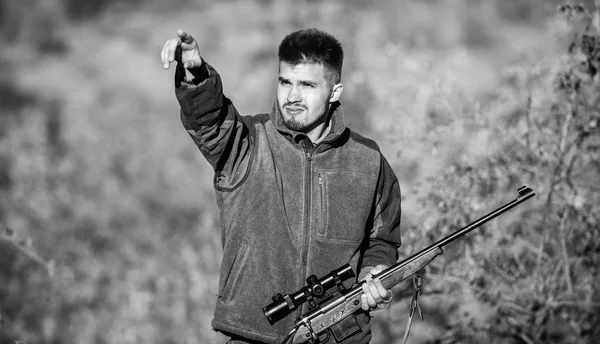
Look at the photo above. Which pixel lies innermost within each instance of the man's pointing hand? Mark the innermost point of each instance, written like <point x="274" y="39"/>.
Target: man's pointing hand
<point x="183" y="49"/>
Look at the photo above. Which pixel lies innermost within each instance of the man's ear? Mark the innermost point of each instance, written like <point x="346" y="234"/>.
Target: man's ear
<point x="336" y="92"/>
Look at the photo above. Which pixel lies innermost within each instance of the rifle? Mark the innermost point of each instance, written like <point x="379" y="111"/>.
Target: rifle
<point x="336" y="307"/>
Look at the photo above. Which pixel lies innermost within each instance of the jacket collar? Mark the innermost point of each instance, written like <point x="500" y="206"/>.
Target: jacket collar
<point x="337" y="124"/>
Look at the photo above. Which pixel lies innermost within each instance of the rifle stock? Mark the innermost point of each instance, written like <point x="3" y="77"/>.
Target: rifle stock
<point x="318" y="321"/>
<point x="315" y="322"/>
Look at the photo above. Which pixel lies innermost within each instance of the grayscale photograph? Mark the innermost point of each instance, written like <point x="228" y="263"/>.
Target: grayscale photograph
<point x="299" y="172"/>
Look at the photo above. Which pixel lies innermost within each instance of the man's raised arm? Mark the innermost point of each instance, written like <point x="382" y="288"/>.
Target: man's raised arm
<point x="209" y="117"/>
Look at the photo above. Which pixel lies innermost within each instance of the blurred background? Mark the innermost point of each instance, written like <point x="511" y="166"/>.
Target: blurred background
<point x="109" y="227"/>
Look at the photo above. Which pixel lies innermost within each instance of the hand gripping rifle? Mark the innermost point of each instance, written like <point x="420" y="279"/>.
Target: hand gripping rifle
<point x="334" y="308"/>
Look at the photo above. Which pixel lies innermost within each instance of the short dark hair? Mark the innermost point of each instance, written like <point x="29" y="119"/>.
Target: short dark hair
<point x="313" y="46"/>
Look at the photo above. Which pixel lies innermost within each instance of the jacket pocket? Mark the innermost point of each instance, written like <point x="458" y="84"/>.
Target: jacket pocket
<point x="346" y="199"/>
<point x="230" y="282"/>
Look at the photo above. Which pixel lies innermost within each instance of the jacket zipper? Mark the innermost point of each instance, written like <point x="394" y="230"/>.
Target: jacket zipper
<point x="307" y="204"/>
<point x="322" y="190"/>
<point x="307" y="211"/>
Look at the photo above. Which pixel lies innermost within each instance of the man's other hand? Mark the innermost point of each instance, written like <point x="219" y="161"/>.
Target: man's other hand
<point x="182" y="49"/>
<point x="375" y="295"/>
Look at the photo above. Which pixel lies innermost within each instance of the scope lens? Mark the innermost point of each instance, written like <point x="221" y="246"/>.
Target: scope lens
<point x="318" y="290"/>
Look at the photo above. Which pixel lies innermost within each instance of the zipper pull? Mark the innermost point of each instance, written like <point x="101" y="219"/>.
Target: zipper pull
<point x="320" y="180"/>
<point x="309" y="156"/>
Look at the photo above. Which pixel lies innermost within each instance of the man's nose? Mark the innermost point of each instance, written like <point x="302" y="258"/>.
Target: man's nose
<point x="294" y="95"/>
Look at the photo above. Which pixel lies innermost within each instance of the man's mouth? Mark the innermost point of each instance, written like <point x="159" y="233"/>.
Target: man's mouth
<point x="294" y="110"/>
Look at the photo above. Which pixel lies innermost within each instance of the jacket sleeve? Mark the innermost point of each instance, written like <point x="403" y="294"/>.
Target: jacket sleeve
<point x="214" y="124"/>
<point x="384" y="239"/>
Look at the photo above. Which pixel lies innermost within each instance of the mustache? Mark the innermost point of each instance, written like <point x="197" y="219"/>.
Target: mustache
<point x="296" y="105"/>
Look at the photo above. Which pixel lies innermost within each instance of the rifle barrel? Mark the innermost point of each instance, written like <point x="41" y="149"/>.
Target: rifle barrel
<point x="525" y="193"/>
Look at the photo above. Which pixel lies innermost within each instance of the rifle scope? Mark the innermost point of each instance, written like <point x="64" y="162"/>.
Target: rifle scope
<point x="315" y="289"/>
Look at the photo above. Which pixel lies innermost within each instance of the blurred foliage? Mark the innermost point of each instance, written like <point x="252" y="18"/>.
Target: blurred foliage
<point x="531" y="281"/>
<point x="109" y="229"/>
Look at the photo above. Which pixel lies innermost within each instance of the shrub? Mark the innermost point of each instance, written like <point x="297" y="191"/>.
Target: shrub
<point x="532" y="275"/>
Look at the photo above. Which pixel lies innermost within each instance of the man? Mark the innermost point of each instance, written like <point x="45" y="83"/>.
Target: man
<point x="299" y="193"/>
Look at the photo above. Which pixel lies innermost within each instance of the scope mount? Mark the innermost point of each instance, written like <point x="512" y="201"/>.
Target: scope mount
<point x="313" y="292"/>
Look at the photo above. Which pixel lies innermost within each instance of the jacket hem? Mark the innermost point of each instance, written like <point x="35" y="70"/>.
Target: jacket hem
<point x="229" y="329"/>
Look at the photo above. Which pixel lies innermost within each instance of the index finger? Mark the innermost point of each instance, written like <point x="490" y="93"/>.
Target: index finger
<point x="185" y="37"/>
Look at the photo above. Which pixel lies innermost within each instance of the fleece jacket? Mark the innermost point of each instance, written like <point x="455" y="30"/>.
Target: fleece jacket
<point x="288" y="208"/>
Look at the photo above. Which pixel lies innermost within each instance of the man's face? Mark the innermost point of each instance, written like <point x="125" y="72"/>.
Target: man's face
<point x="304" y="95"/>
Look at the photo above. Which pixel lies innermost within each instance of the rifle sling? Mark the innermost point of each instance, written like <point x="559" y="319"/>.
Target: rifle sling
<point x="414" y="305"/>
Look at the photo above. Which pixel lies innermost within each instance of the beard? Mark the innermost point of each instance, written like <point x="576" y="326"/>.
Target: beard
<point x="294" y="124"/>
<point x="301" y="122"/>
